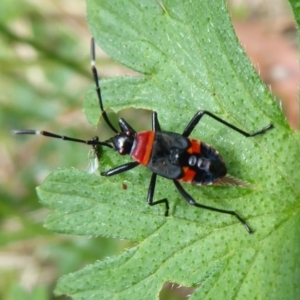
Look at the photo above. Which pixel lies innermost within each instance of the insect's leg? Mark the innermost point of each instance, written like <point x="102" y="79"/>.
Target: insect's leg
<point x="155" y="122"/>
<point x="197" y="117"/>
<point x="98" y="89"/>
<point x="191" y="201"/>
<point x="151" y="194"/>
<point x="120" y="169"/>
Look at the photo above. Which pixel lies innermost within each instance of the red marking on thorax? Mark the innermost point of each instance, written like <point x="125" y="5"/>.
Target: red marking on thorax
<point x="143" y="147"/>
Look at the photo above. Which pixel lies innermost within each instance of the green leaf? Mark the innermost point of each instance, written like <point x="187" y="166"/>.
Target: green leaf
<point x="295" y="4"/>
<point x="190" y="60"/>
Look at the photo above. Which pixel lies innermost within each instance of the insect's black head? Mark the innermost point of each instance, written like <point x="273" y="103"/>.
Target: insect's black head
<point x="123" y="142"/>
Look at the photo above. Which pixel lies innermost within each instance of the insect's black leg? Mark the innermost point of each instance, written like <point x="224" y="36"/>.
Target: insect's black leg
<point x="197" y="117"/>
<point x="191" y="201"/>
<point x="120" y="169"/>
<point x="155" y="122"/>
<point x="98" y="89"/>
<point x="151" y="194"/>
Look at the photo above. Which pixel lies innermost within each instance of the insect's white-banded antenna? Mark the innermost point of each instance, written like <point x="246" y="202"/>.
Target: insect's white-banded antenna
<point x="98" y="89"/>
<point x="93" y="141"/>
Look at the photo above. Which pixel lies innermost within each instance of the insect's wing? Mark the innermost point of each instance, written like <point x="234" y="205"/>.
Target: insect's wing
<point x="232" y="181"/>
<point x="93" y="163"/>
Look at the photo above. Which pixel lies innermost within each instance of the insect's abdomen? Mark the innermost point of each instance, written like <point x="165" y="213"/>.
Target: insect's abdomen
<point x="202" y="164"/>
<point x="142" y="147"/>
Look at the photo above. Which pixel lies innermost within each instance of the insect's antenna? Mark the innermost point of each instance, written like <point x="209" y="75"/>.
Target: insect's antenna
<point x="98" y="89"/>
<point x="93" y="141"/>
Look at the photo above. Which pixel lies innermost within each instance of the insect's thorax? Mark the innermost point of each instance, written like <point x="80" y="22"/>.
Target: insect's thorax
<point x="174" y="156"/>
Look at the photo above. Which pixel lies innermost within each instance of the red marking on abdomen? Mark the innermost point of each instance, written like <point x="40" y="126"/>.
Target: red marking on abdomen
<point x="188" y="175"/>
<point x="195" y="147"/>
<point x="143" y="147"/>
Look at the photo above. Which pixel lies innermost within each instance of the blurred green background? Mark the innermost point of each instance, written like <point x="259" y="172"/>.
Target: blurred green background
<point x="44" y="74"/>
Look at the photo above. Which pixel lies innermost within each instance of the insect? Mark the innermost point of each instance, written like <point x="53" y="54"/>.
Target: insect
<point x="168" y="154"/>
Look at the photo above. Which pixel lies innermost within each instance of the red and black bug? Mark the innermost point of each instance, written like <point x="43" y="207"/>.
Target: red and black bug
<point x="168" y="154"/>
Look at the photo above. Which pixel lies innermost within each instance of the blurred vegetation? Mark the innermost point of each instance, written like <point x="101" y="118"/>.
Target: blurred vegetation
<point x="44" y="62"/>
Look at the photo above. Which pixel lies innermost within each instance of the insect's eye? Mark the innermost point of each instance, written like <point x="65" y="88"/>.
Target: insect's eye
<point x="122" y="151"/>
<point x="129" y="133"/>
